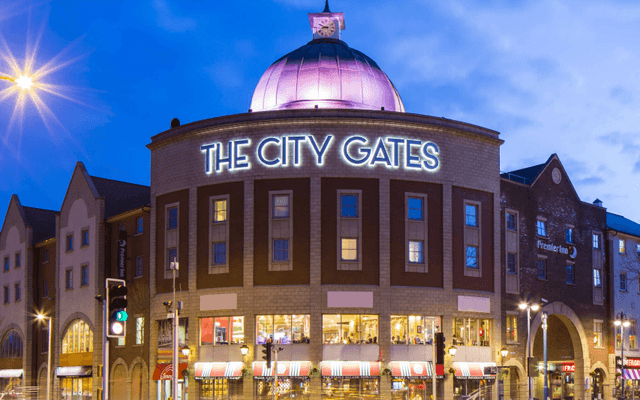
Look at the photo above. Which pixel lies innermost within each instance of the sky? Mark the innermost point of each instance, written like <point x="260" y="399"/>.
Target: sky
<point x="551" y="76"/>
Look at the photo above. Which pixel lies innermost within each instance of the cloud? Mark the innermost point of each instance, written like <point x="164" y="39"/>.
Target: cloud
<point x="166" y="19"/>
<point x="622" y="95"/>
<point x="636" y="167"/>
<point x="591" y="180"/>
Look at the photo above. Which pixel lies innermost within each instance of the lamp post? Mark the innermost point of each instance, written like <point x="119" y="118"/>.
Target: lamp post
<point x="529" y="308"/>
<point x="545" y="390"/>
<point x="41" y="318"/>
<point x="622" y="322"/>
<point x="176" y="320"/>
<point x="503" y="352"/>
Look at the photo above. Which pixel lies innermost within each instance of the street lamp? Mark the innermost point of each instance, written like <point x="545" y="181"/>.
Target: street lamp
<point x="186" y="350"/>
<point x="176" y="320"/>
<point x="24" y="82"/>
<point x="244" y="349"/>
<point x="41" y="317"/>
<point x="452" y="350"/>
<point x="622" y="322"/>
<point x="529" y="307"/>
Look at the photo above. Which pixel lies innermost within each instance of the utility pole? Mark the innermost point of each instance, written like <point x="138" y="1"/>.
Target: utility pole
<point x="275" y="373"/>
<point x="433" y="347"/>
<point x="176" y="321"/>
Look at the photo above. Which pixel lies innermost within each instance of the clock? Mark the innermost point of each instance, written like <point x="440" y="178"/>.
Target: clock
<point x="326" y="27"/>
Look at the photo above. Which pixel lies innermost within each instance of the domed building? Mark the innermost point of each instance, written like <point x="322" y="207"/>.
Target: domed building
<point x="333" y="225"/>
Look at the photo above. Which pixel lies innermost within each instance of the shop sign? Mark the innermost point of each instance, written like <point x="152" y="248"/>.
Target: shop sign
<point x="356" y="151"/>
<point x="568" y="368"/>
<point x="633" y="362"/>
<point x="122" y="254"/>
<point x="570" y="251"/>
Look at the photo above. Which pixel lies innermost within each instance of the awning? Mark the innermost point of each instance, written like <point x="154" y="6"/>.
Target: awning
<point x="11" y="373"/>
<point x="351" y="368"/>
<point x="419" y="369"/>
<point x="631" y="373"/>
<point x="285" y="368"/>
<point x="206" y="370"/>
<point x="470" y="370"/>
<point x="164" y="372"/>
<point x="85" y="370"/>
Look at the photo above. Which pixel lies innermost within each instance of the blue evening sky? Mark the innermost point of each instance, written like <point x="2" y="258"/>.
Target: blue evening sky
<point x="551" y="76"/>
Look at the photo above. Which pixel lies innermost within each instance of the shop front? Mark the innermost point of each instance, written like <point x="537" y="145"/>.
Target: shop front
<point x="219" y="380"/>
<point x="76" y="383"/>
<point x="561" y="380"/>
<point x="350" y="379"/>
<point x="163" y="375"/>
<point x="411" y="380"/>
<point x="631" y="375"/>
<point x="10" y="380"/>
<point x="469" y="378"/>
<point x="293" y="379"/>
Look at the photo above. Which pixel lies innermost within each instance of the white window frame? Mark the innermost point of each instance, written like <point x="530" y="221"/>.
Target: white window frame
<point x="416" y="230"/>
<point x="349" y="228"/>
<point x="546" y="230"/>
<point x="597" y="333"/>
<point x="515" y="315"/>
<point x="68" y="278"/>
<point x="280" y="228"/>
<point x="218" y="233"/>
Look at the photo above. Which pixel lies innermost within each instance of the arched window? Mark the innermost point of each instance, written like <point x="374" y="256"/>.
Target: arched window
<point x="78" y="339"/>
<point x="11" y="345"/>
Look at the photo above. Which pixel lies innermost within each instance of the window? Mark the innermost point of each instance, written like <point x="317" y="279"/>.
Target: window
<point x="596" y="241"/>
<point x="511" y="264"/>
<point x="571" y="276"/>
<point x="542" y="268"/>
<point x="281" y="206"/>
<point x="219" y="211"/>
<point x="413" y="329"/>
<point x="11" y="346"/>
<point x="416" y="251"/>
<point x="541" y="228"/>
<point x="623" y="281"/>
<point x="349" y="206"/>
<point x="84" y="237"/>
<point x="84" y="275"/>
<point x="222" y="330"/>
<point x="472" y="257"/>
<point x="139" y="225"/>
<point x="70" y="242"/>
<point x="633" y="334"/>
<point x="6" y="263"/>
<point x="172" y="218"/>
<point x="283" y="329"/>
<point x="172" y="256"/>
<point x="512" y="223"/>
<point x="17" y="294"/>
<point x="121" y="341"/>
<point x="349" y="249"/>
<point x="46" y="256"/>
<point x="512" y="328"/>
<point x="622" y="246"/>
<point x="597" y="278"/>
<point x="416" y="205"/>
<point x="471" y="215"/>
<point x="281" y="250"/>
<point x="569" y="235"/>
<point x="597" y="333"/>
<point x="17" y="260"/>
<point x="471" y="332"/>
<point x="68" y="279"/>
<point x="6" y="294"/>
<point x="78" y="338"/>
<point x="139" y="330"/>
<point x="638" y="249"/>
<point x="220" y="253"/>
<point x="45" y="340"/>
<point x="139" y="267"/>
<point x="45" y="288"/>
<point x="349" y="328"/>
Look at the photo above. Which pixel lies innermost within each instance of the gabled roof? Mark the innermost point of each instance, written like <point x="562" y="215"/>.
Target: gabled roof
<point x="43" y="223"/>
<point x="121" y="196"/>
<point x="527" y="175"/>
<point x="621" y="224"/>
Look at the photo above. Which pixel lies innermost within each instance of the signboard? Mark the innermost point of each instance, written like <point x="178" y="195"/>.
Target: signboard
<point x="629" y="362"/>
<point x="568" y="367"/>
<point x="570" y="251"/>
<point x="298" y="150"/>
<point x="122" y="255"/>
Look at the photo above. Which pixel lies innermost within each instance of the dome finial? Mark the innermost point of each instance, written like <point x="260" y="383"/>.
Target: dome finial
<point x="326" y="7"/>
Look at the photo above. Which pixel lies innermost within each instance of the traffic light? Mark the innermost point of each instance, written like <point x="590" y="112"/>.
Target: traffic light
<point x="439" y="348"/>
<point x="267" y="353"/>
<point x="117" y="308"/>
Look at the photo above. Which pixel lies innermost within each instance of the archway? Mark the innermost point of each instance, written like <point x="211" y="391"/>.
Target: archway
<point x="42" y="382"/>
<point x="139" y="381"/>
<point x="118" y="380"/>
<point x="567" y="353"/>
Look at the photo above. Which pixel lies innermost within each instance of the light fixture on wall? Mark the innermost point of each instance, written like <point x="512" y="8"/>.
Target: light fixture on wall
<point x="452" y="350"/>
<point x="186" y="350"/>
<point x="244" y="349"/>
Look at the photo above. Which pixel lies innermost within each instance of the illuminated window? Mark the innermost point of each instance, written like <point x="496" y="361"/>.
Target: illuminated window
<point x="349" y="206"/>
<point x="471" y="332"/>
<point x="597" y="333"/>
<point x="596" y="241"/>
<point x="281" y="250"/>
<point x="139" y="330"/>
<point x="512" y="267"/>
<point x="512" y="223"/>
<point x="472" y="257"/>
<point x="349" y="328"/>
<point x="139" y="225"/>
<point x="283" y="329"/>
<point x="622" y="246"/>
<point x="416" y="205"/>
<point x="512" y="328"/>
<point x="78" y="338"/>
<point x="416" y="251"/>
<point x="219" y="210"/>
<point x="172" y="218"/>
<point x="597" y="278"/>
<point x="633" y="334"/>
<point x="84" y="237"/>
<point x="349" y="249"/>
<point x="220" y="253"/>
<point x="541" y="228"/>
<point x="569" y="235"/>
<point x="638" y="248"/>
<point x="70" y="242"/>
<point x="17" y="260"/>
<point x="413" y="329"/>
<point x="542" y="268"/>
<point x="281" y="206"/>
<point x="121" y="342"/>
<point x="471" y="215"/>
<point x="571" y="274"/>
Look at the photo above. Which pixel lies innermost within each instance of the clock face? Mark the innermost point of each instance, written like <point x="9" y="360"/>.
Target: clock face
<point x="326" y="27"/>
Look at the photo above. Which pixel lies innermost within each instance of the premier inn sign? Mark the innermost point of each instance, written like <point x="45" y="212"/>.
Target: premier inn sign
<point x="570" y="251"/>
<point x="296" y="150"/>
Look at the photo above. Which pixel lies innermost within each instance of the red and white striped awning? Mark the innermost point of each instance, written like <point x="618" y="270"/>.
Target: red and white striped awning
<point x="630" y="373"/>
<point x="418" y="369"/>
<point x="285" y="368"/>
<point x="212" y="370"/>
<point x="164" y="372"/>
<point x="351" y="368"/>
<point x="470" y="370"/>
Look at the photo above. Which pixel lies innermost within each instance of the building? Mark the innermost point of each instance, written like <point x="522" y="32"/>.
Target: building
<point x="623" y="239"/>
<point x="331" y="222"/>
<point x="553" y="255"/>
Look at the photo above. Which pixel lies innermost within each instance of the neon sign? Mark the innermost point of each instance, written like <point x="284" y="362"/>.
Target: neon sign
<point x="355" y="151"/>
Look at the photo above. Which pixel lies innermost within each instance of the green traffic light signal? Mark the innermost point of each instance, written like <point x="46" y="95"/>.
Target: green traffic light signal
<point x="121" y="316"/>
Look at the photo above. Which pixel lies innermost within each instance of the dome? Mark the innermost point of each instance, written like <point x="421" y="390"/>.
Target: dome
<point x="328" y="74"/>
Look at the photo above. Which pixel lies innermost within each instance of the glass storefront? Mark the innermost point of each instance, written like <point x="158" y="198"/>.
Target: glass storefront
<point x="72" y="388"/>
<point x="414" y="389"/>
<point x="561" y="385"/>
<point x="220" y="389"/>
<point x="164" y="390"/>
<point x="288" y="388"/>
<point x="350" y="388"/>
<point x="349" y="329"/>
<point x="413" y="329"/>
<point x="471" y="332"/>
<point x="465" y="387"/>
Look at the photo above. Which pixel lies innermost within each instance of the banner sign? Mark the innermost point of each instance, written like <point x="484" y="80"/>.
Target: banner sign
<point x="122" y="255"/>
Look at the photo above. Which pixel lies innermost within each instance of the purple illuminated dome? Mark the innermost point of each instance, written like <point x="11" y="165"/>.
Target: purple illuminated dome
<point x="325" y="73"/>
